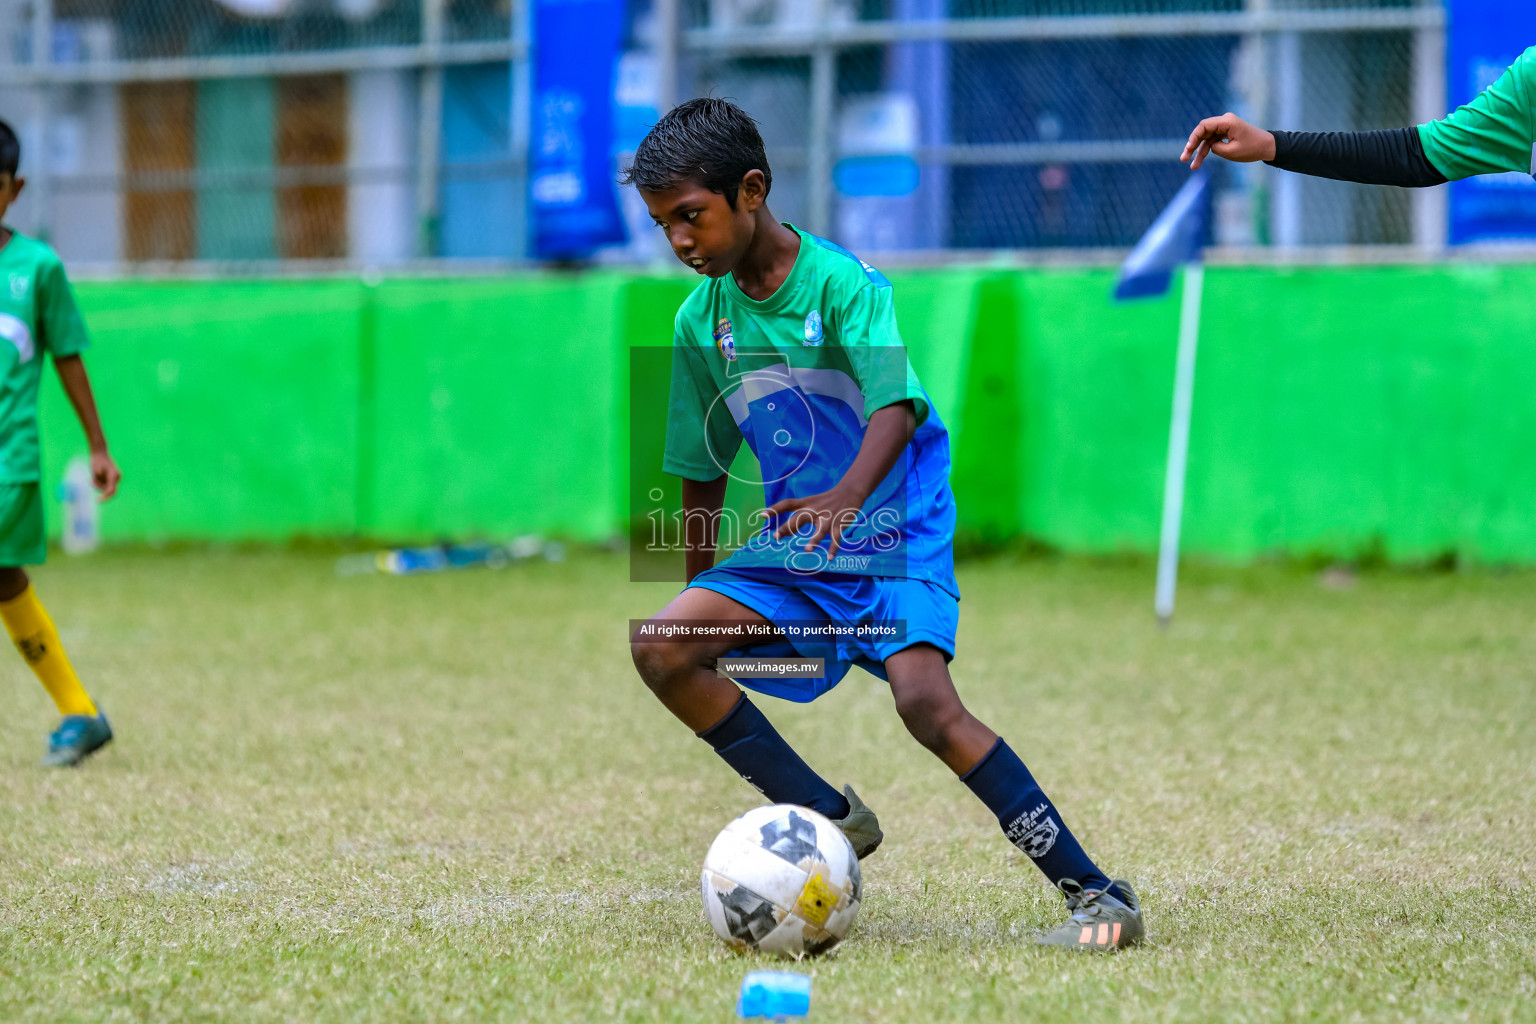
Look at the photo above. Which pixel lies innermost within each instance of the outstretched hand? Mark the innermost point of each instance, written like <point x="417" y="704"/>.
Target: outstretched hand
<point x="1229" y="137"/>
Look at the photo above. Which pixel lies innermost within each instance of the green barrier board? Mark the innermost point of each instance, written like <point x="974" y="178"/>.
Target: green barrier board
<point x="1339" y="412"/>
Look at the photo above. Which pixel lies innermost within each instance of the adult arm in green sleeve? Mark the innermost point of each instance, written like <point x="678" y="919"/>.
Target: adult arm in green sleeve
<point x="1493" y="133"/>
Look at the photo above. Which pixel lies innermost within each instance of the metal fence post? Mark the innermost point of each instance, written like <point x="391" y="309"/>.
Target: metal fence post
<point x="38" y="162"/>
<point x="1431" y="212"/>
<point x="1287" y="212"/>
<point x="430" y="129"/>
<point x="818" y="185"/>
<point x="520" y="120"/>
<point x="1254" y="88"/>
<point x="668" y="26"/>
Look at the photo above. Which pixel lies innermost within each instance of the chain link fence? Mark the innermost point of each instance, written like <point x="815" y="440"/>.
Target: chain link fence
<point x="1056" y="124"/>
<point x="257" y="131"/>
<point x="380" y="132"/>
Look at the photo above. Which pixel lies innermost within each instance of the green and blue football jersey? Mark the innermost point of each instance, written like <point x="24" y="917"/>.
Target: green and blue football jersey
<point x="37" y="314"/>
<point x="797" y="376"/>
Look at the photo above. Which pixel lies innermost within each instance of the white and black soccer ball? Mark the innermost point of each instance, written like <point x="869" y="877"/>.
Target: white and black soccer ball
<point x="782" y="879"/>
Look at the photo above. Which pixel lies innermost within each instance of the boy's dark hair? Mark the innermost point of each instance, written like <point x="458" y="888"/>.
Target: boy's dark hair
<point x="10" y="150"/>
<point x="711" y="141"/>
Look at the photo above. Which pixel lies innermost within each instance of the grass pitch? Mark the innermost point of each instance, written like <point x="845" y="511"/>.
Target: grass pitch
<point x="449" y="797"/>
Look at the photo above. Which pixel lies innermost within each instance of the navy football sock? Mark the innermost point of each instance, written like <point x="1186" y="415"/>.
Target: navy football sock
<point x="1029" y="819"/>
<point x="748" y="742"/>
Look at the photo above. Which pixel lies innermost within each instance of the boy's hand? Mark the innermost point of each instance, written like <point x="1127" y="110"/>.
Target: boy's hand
<point x="104" y="474"/>
<point x="1229" y="137"/>
<point x="831" y="512"/>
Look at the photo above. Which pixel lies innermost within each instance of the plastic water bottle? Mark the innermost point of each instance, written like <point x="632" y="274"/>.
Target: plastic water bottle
<point x="775" y="995"/>
<point x="82" y="512"/>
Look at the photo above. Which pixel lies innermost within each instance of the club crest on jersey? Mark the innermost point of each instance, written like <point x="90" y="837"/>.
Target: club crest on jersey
<point x="19" y="285"/>
<point x="725" y="340"/>
<point x="813" y="332"/>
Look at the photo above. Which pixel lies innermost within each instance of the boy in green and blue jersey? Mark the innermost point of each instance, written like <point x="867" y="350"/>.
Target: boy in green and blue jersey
<point x="791" y="345"/>
<point x="38" y="315"/>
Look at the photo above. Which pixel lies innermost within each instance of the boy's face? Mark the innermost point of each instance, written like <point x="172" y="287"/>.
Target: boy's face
<point x="704" y="231"/>
<point x="10" y="188"/>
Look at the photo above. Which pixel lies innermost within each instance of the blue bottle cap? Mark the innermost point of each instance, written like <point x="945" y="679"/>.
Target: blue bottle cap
<point x="774" y="995"/>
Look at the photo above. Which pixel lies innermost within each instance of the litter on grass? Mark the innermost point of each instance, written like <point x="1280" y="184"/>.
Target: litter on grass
<point x="445" y="557"/>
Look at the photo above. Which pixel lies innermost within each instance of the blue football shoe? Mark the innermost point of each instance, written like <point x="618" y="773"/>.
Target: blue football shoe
<point x="76" y="738"/>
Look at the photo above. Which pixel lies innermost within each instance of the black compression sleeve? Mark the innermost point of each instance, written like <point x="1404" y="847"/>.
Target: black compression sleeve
<point x="1393" y="157"/>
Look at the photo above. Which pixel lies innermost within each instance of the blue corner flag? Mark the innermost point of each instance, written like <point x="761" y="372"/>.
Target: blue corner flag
<point x="1174" y="238"/>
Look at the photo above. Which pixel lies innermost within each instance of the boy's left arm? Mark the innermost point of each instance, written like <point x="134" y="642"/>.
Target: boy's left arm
<point x="894" y="405"/>
<point x="890" y="429"/>
<point x="64" y="337"/>
<point x="77" y="386"/>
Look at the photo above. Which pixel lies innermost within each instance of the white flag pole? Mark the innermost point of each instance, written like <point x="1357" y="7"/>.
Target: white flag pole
<point x="1178" y="442"/>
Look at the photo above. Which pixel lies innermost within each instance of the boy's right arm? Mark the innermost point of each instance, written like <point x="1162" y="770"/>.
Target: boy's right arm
<point x="702" y="502"/>
<point x="697" y="445"/>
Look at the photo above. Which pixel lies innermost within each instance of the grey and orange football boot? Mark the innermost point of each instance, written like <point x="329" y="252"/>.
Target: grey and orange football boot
<point x="1098" y="923"/>
<point x="860" y="826"/>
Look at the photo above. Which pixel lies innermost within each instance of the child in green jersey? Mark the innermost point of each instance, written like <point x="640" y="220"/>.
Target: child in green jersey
<point x="37" y="315"/>
<point x="1493" y="134"/>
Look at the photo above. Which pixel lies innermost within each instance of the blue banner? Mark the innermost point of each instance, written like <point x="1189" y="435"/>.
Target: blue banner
<point x="571" y="167"/>
<point x="1485" y="38"/>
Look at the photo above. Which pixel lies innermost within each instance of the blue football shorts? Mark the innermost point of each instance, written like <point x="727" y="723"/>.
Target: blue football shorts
<point x="918" y="611"/>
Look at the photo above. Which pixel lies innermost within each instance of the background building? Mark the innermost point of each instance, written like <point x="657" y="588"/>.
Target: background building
<point x="383" y="131"/>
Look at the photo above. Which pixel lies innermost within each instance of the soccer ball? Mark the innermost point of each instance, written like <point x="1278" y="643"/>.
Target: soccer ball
<point x="782" y="879"/>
